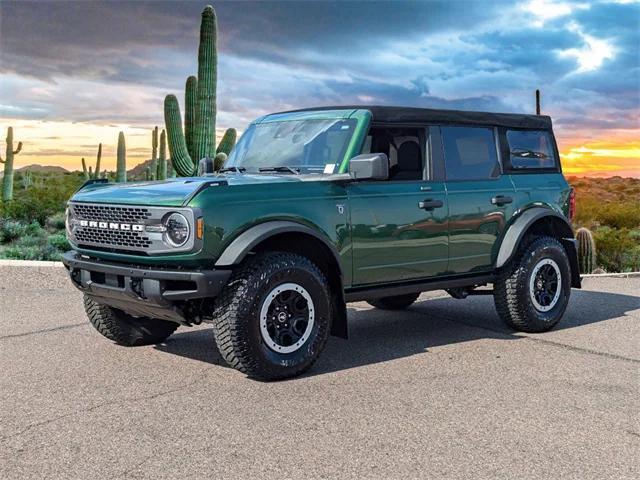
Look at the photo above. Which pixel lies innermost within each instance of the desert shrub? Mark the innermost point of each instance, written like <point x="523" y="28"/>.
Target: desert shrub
<point x="619" y="215"/>
<point x="22" y="251"/>
<point x="11" y="230"/>
<point x="55" y="222"/>
<point x="59" y="242"/>
<point x="617" y="249"/>
<point x="45" y="200"/>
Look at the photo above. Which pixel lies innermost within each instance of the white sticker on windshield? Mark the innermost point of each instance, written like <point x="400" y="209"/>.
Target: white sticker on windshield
<point x="329" y="167"/>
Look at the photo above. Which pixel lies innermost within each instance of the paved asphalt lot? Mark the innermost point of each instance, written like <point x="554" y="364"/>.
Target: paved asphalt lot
<point x="441" y="390"/>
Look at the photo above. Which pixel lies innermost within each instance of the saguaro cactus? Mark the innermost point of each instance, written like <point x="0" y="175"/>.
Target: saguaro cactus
<point x="121" y="163"/>
<point x="7" y="181"/>
<point x="198" y="140"/>
<point x="89" y="174"/>
<point x="586" y="250"/>
<point x="162" y="159"/>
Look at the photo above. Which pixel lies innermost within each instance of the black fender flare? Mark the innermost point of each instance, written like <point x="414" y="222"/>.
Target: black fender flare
<point x="516" y="231"/>
<point x="238" y="249"/>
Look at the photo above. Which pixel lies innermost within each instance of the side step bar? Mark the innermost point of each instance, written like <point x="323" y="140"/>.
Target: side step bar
<point x="371" y="293"/>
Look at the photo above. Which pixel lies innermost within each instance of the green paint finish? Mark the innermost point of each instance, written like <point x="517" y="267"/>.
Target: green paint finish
<point x="475" y="223"/>
<point x="393" y="239"/>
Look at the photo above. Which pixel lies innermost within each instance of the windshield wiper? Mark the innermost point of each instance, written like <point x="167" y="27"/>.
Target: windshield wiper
<point x="232" y="169"/>
<point x="295" y="171"/>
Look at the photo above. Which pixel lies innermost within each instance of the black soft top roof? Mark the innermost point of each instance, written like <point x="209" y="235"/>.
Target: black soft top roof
<point x="389" y="114"/>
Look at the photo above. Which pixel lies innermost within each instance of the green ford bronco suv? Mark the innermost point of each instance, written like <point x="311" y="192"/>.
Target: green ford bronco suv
<point x="316" y="208"/>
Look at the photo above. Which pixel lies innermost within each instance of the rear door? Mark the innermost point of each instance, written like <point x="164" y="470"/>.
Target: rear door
<point x="480" y="196"/>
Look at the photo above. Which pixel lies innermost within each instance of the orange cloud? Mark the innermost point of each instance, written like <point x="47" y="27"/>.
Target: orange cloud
<point x="601" y="157"/>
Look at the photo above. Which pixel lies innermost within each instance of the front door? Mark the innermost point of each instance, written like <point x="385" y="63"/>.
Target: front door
<point x="480" y="197"/>
<point x="399" y="227"/>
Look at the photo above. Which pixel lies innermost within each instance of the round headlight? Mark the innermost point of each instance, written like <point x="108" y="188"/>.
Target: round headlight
<point x="177" y="229"/>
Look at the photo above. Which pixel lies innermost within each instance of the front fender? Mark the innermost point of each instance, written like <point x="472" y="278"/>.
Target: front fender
<point x="237" y="250"/>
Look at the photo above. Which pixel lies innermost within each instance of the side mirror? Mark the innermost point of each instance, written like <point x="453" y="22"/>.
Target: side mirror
<point x="205" y="166"/>
<point x="369" y="166"/>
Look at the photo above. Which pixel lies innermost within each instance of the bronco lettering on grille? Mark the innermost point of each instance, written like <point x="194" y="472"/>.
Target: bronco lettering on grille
<point x="112" y="225"/>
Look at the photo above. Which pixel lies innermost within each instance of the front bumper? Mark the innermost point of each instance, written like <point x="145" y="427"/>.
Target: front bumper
<point x="142" y="291"/>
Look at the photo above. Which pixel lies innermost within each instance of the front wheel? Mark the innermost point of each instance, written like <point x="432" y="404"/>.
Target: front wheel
<point x="125" y="329"/>
<point x="532" y="292"/>
<point x="273" y="318"/>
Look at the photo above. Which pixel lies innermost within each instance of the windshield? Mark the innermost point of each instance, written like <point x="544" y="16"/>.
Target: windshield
<point x="305" y="146"/>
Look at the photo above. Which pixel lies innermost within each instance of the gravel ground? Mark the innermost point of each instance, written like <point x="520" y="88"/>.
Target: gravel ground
<point x="440" y="390"/>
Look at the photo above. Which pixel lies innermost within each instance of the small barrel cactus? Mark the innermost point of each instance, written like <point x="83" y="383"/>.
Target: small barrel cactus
<point x="586" y="250"/>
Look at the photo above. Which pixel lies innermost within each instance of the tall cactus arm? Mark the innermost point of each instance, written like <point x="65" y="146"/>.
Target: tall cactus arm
<point x="228" y="141"/>
<point x="17" y="150"/>
<point x="205" y="131"/>
<point x="190" y="96"/>
<point x="177" y="146"/>
<point x="98" y="159"/>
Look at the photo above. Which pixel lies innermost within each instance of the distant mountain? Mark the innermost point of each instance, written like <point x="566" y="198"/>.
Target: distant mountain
<point x="43" y="169"/>
<point x="139" y="171"/>
<point x="38" y="169"/>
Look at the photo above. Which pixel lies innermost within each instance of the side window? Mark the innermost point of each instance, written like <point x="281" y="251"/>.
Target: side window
<point x="530" y="149"/>
<point x="470" y="153"/>
<point x="402" y="147"/>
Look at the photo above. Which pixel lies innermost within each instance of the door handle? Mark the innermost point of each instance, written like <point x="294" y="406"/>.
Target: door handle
<point x="501" y="200"/>
<point x="429" y="204"/>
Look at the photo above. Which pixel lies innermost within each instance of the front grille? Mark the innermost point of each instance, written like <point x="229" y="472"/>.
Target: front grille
<point x="111" y="213"/>
<point x="113" y="238"/>
<point x="129" y="229"/>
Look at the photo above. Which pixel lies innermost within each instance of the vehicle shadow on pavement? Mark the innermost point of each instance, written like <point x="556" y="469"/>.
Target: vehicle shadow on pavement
<point x="377" y="336"/>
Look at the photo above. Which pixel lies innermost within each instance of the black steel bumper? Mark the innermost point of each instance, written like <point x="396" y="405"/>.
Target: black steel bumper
<point x="143" y="291"/>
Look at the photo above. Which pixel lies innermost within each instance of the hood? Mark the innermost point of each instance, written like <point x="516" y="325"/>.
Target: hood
<point x="174" y="192"/>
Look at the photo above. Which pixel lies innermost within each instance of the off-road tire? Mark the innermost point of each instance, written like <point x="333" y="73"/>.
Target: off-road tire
<point x="125" y="329"/>
<point x="399" y="302"/>
<point x="511" y="291"/>
<point x="236" y="319"/>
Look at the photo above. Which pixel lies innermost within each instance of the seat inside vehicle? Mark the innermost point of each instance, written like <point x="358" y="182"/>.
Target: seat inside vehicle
<point x="402" y="146"/>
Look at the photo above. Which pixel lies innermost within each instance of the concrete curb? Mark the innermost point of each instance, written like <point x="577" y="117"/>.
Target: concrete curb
<point x="29" y="263"/>
<point x="619" y="275"/>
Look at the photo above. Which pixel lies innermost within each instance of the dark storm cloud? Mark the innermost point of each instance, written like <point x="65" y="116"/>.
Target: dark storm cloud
<point x="113" y="62"/>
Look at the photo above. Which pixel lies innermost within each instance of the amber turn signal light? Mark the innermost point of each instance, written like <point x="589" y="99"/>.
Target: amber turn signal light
<point x="199" y="228"/>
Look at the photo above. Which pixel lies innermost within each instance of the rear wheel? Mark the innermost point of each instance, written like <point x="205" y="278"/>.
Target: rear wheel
<point x="399" y="302"/>
<point x="272" y="320"/>
<point x="532" y="292"/>
<point x="125" y="329"/>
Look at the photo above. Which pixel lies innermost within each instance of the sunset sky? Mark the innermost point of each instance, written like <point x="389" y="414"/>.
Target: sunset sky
<point x="72" y="74"/>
